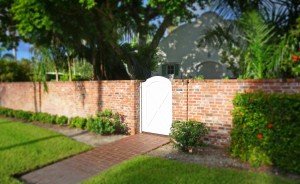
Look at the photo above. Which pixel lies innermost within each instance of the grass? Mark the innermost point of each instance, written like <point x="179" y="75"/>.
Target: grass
<point x="24" y="147"/>
<point x="145" y="169"/>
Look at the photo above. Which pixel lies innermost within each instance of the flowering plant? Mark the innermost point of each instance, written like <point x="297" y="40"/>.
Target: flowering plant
<point x="266" y="129"/>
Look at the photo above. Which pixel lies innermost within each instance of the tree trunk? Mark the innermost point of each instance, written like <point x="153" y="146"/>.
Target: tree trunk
<point x="56" y="75"/>
<point x="96" y="67"/>
<point x="69" y="68"/>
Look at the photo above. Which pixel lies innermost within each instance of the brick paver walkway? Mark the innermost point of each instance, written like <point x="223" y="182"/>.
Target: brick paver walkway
<point x="83" y="166"/>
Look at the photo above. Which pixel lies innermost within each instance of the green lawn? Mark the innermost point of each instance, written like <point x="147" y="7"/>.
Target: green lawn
<point x="24" y="147"/>
<point x="145" y="169"/>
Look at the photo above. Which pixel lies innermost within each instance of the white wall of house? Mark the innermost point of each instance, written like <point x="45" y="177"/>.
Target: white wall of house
<point x="180" y="53"/>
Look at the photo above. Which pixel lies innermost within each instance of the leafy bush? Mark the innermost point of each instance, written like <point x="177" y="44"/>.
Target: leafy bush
<point x="187" y="134"/>
<point x="11" y="70"/>
<point x="78" y="122"/>
<point x="44" y="117"/>
<point x="100" y="125"/>
<point x="61" y="120"/>
<point x="6" y="112"/>
<point x="25" y="115"/>
<point x="107" y="122"/>
<point x="266" y="130"/>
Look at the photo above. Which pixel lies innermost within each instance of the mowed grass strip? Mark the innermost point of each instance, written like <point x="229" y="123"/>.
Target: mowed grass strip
<point x="25" y="147"/>
<point x="146" y="169"/>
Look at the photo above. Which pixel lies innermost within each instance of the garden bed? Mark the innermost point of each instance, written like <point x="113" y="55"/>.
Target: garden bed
<point x="215" y="157"/>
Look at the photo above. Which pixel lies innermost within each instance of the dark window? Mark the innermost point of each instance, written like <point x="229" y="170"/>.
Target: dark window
<point x="170" y="69"/>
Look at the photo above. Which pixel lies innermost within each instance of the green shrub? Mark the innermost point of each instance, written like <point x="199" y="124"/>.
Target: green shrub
<point x="266" y="130"/>
<point x="100" y="125"/>
<point x="78" y="122"/>
<point x="11" y="70"/>
<point x="10" y="113"/>
<point x="34" y="117"/>
<point x="20" y="114"/>
<point x="61" y="120"/>
<point x="44" y="117"/>
<point x="107" y="122"/>
<point x="6" y="112"/>
<point x="107" y="113"/>
<point x="24" y="115"/>
<point x="187" y="134"/>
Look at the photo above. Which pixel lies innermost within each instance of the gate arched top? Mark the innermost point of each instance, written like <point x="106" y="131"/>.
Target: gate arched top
<point x="156" y="105"/>
<point x="158" y="79"/>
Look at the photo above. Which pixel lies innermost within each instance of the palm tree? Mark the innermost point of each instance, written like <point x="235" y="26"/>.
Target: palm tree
<point x="8" y="56"/>
<point x="260" y="24"/>
<point x="281" y="14"/>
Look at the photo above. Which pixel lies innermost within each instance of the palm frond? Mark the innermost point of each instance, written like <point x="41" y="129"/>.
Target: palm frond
<point x="221" y="36"/>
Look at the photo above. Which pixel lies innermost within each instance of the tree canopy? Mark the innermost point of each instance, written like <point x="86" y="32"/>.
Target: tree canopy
<point x="118" y="37"/>
<point x="95" y="30"/>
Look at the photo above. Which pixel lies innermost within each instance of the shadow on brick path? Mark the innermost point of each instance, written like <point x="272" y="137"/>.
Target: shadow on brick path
<point x="85" y="165"/>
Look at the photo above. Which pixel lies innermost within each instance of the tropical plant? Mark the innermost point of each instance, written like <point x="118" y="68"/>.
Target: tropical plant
<point x="257" y="36"/>
<point x="286" y="56"/>
<point x="252" y="48"/>
<point x="280" y="14"/>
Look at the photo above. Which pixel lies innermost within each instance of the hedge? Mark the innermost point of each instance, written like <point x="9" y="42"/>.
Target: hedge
<point x="105" y="122"/>
<point x="266" y="130"/>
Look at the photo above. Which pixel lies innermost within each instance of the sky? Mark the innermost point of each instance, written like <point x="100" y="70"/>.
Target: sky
<point x="23" y="51"/>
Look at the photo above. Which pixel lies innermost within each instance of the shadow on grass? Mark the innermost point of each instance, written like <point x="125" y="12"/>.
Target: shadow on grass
<point x="29" y="142"/>
<point x="6" y="122"/>
<point x="77" y="134"/>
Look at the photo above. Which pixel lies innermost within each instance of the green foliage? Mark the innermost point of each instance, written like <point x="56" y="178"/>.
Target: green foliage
<point x="11" y="70"/>
<point x="25" y="115"/>
<point x="187" y="134"/>
<point x="107" y="122"/>
<point x="286" y="56"/>
<point x="78" y="122"/>
<point x="199" y="77"/>
<point x="100" y="125"/>
<point x="234" y="60"/>
<point x="83" y="70"/>
<point x="167" y="171"/>
<point x="6" y="112"/>
<point x="65" y="77"/>
<point x="107" y="113"/>
<point x="45" y="117"/>
<point x="258" y="36"/>
<point x="253" y="48"/>
<point x="61" y="120"/>
<point x="95" y="30"/>
<point x="25" y="148"/>
<point x="266" y="130"/>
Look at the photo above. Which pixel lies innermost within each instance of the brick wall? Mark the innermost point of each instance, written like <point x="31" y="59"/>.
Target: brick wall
<point x="75" y="98"/>
<point x="208" y="101"/>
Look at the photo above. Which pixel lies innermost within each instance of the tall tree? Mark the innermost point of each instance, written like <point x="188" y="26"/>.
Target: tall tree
<point x="281" y="14"/>
<point x="9" y="38"/>
<point x="94" y="29"/>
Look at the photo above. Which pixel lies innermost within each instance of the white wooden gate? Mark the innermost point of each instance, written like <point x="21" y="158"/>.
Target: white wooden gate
<point x="156" y="105"/>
